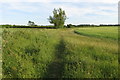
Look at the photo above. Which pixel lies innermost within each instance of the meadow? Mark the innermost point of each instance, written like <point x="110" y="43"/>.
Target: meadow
<point x="60" y="53"/>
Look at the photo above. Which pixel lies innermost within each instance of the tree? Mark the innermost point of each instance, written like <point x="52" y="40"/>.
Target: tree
<point x="69" y="25"/>
<point x="30" y="23"/>
<point x="58" y="18"/>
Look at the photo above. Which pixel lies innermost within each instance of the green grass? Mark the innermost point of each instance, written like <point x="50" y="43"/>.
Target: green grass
<point x="0" y="53"/>
<point x="100" y="32"/>
<point x="27" y="52"/>
<point x="58" y="53"/>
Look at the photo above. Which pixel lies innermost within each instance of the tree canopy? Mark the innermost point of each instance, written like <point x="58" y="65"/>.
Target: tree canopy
<point x="58" y="18"/>
<point x="30" y="23"/>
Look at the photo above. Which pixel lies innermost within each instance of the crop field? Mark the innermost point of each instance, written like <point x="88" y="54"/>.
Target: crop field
<point x="60" y="53"/>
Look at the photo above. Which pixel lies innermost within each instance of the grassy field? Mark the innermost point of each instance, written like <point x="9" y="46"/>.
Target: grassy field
<point x="100" y="32"/>
<point x="0" y="53"/>
<point x="60" y="53"/>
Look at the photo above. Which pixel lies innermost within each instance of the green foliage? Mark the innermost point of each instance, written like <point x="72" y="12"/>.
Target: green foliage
<point x="21" y="26"/>
<point x="57" y="53"/>
<point x="30" y="23"/>
<point x="58" y="18"/>
<point x="69" y="26"/>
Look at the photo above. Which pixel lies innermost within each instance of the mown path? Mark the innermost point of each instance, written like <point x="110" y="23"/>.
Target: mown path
<point x="56" y="68"/>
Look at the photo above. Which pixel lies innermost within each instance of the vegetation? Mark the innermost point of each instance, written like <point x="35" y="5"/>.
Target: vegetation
<point x="58" y="18"/>
<point x="0" y="53"/>
<point x="24" y="26"/>
<point x="101" y="32"/>
<point x="30" y="23"/>
<point x="54" y="27"/>
<point x="59" y="53"/>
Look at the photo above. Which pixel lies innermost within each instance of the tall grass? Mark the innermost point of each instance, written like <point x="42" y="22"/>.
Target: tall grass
<point x="27" y="53"/>
<point x="57" y="53"/>
<point x="88" y="58"/>
<point x="0" y="53"/>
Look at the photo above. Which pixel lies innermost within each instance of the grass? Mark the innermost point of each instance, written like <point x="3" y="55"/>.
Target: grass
<point x="58" y="53"/>
<point x="100" y="32"/>
<point x="0" y="53"/>
<point x="32" y="50"/>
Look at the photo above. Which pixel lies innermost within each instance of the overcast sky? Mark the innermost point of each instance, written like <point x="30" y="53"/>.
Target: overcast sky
<point x="78" y="11"/>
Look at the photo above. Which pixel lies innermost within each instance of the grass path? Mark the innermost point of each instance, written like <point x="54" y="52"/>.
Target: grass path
<point x="55" y="69"/>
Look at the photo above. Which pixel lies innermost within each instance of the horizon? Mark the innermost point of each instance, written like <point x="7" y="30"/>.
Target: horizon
<point x="53" y="24"/>
<point x="78" y="11"/>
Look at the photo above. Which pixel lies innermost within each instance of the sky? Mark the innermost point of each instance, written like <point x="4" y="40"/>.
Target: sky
<point x="19" y="12"/>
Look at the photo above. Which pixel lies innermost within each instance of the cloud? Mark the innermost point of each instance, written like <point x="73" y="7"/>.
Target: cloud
<point x="22" y="7"/>
<point x="100" y="1"/>
<point x="70" y="9"/>
<point x="75" y="10"/>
